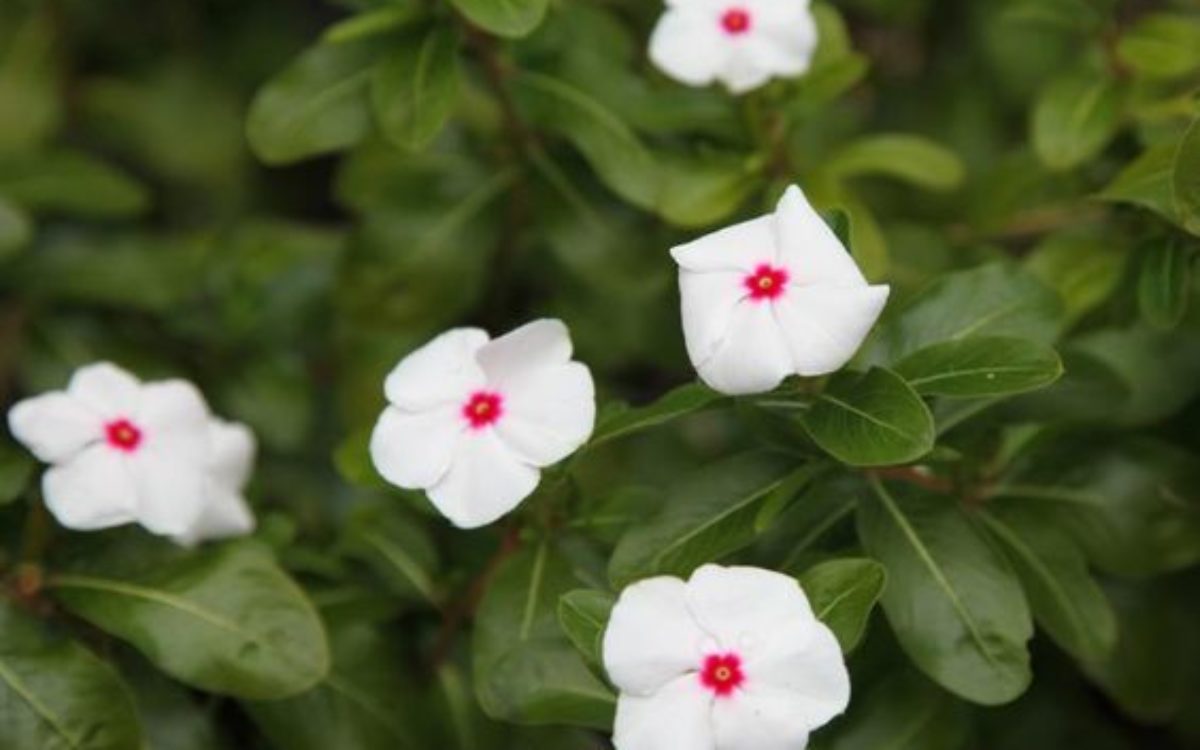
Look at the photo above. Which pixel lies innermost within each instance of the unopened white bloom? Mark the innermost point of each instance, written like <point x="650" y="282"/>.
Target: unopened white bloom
<point x="471" y="420"/>
<point x="741" y="43"/>
<point x="122" y="451"/>
<point x="732" y="659"/>
<point x="771" y="297"/>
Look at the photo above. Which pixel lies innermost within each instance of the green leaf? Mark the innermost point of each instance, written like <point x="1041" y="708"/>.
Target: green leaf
<point x="316" y="105"/>
<point x="526" y="671"/>
<point x="1164" y="282"/>
<point x="1160" y="368"/>
<point x="372" y="23"/>
<point x="16" y="230"/>
<point x="583" y="615"/>
<point x="68" y="182"/>
<point x="1075" y="117"/>
<point x="684" y="400"/>
<point x="908" y="158"/>
<point x="998" y="299"/>
<point x="843" y="594"/>
<point x="619" y="158"/>
<point x="1185" y="181"/>
<point x="30" y="105"/>
<point x="1084" y="267"/>
<point x="901" y="712"/>
<point x="980" y="366"/>
<point x="365" y="703"/>
<point x="952" y="599"/>
<point x="396" y="547"/>
<point x="415" y="88"/>
<point x="1065" y="600"/>
<point x="1162" y="45"/>
<point x="508" y="18"/>
<point x="55" y="695"/>
<point x="871" y="419"/>
<point x="226" y="620"/>
<point x="707" y="515"/>
<point x="16" y="469"/>
<point x="1150" y="182"/>
<point x="173" y="718"/>
<point x="698" y="192"/>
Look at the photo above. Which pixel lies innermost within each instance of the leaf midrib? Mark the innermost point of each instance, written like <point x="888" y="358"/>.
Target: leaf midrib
<point x="43" y="712"/>
<point x="969" y="372"/>
<point x="868" y="417"/>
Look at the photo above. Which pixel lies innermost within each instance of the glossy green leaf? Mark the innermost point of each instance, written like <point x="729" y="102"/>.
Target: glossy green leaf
<point x="370" y="23"/>
<point x="583" y="615"/>
<point x="871" y="419"/>
<point x="908" y="158"/>
<point x="526" y="670"/>
<point x="706" y="515"/>
<point x="508" y="18"/>
<point x="843" y="594"/>
<point x="980" y="366"/>
<point x="903" y="711"/>
<point x="226" y="620"/>
<point x="69" y="182"/>
<point x="1164" y="282"/>
<point x="684" y="400"/>
<point x="952" y="599"/>
<point x="1065" y="599"/>
<point x="317" y="104"/>
<point x="1150" y="182"/>
<point x="1075" y="117"/>
<point x="56" y="695"/>
<point x="415" y="88"/>
<point x="1162" y="45"/>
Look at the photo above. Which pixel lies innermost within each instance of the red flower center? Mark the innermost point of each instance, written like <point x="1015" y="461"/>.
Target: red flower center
<point x="722" y="674"/>
<point x="735" y="21"/>
<point x="767" y="282"/>
<point x="123" y="435"/>
<point x="483" y="409"/>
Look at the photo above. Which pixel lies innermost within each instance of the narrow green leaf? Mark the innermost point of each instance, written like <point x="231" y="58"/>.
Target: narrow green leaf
<point x="843" y="594"/>
<point x="980" y="366"/>
<point x="1164" y="282"/>
<point x="508" y="18"/>
<point x="415" y="88"/>
<point x="316" y="105"/>
<point x="871" y="419"/>
<point x="226" y="620"/>
<point x="679" y="402"/>
<point x="1065" y="600"/>
<point x="912" y="159"/>
<point x="952" y="599"/>
<point x="1075" y="117"/>
<point x="54" y="694"/>
<point x="69" y="182"/>
<point x="583" y="615"/>
<point x="706" y="516"/>
<point x="373" y="22"/>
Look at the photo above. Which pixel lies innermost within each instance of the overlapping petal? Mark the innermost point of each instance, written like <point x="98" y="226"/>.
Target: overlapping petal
<point x="752" y="356"/>
<point x="549" y="414"/>
<point x="808" y="247"/>
<point x="652" y="637"/>
<point x="54" y="426"/>
<point x="689" y="47"/>
<point x="414" y="450"/>
<point x="524" y="352"/>
<point x="485" y="481"/>
<point x="94" y="490"/>
<point x="443" y="371"/>
<point x="823" y="326"/>
<point x="760" y="718"/>
<point x="675" y="717"/>
<point x="106" y="389"/>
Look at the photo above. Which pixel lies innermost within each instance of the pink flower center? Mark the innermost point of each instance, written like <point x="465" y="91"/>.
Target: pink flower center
<point x="767" y="282"/>
<point x="483" y="409"/>
<point x="722" y="674"/>
<point x="123" y="435"/>
<point x="735" y="21"/>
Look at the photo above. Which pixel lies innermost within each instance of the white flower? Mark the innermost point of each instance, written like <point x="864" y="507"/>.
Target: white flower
<point x="742" y="43"/>
<point x="122" y="451"/>
<point x="471" y="421"/>
<point x="231" y="459"/>
<point x="771" y="297"/>
<point x="732" y="659"/>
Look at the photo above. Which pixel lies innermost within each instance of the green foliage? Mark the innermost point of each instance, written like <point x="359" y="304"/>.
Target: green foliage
<point x="871" y="419"/>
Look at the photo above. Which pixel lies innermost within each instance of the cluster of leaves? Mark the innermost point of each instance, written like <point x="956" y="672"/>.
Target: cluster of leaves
<point x="1002" y="485"/>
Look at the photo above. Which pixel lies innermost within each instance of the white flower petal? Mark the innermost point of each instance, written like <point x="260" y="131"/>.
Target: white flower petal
<point x="741" y="247"/>
<point x="752" y="357"/>
<point x="175" y="420"/>
<point x="744" y="608"/>
<point x="232" y="449"/>
<point x="823" y="326"/>
<point x="808" y="247"/>
<point x="443" y="371"/>
<point x="170" y="490"/>
<point x="759" y="718"/>
<point x="54" y="426"/>
<point x="783" y="52"/>
<point x="549" y="414"/>
<point x="707" y="305"/>
<point x="807" y="664"/>
<point x="225" y="514"/>
<point x="485" y="481"/>
<point x="107" y="389"/>
<point x="689" y="47"/>
<point x="676" y="717"/>
<point x="93" y="490"/>
<point x="744" y="69"/>
<point x="519" y="353"/>
<point x="415" y="450"/>
<point x="652" y="638"/>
